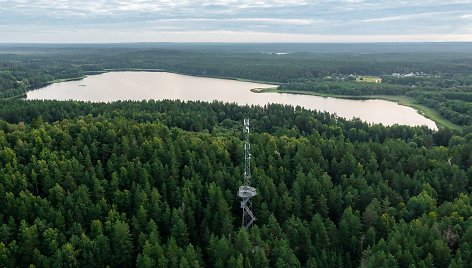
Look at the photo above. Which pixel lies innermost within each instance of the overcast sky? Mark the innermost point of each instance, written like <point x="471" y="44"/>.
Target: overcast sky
<point x="72" y="21"/>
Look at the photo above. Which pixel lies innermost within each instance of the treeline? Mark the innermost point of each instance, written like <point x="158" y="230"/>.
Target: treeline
<point x="18" y="77"/>
<point x="10" y="86"/>
<point x="454" y="106"/>
<point x="350" y="88"/>
<point x="450" y="95"/>
<point x="42" y="64"/>
<point x="153" y="184"/>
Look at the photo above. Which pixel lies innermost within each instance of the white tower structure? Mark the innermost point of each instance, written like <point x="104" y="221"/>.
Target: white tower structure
<point x="246" y="192"/>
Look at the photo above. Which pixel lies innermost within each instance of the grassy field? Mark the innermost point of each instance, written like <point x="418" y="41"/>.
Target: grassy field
<point x="368" y="79"/>
<point x="67" y="79"/>
<point x="440" y="121"/>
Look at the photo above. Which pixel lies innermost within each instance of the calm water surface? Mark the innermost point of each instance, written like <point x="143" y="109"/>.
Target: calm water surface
<point x="115" y="86"/>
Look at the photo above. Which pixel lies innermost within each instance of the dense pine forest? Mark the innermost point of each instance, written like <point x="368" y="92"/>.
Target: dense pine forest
<point x="153" y="184"/>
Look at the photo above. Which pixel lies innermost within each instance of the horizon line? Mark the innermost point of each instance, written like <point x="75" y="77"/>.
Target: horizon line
<point x="240" y="42"/>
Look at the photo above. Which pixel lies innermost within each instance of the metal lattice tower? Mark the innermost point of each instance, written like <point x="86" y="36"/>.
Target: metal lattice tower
<point x="246" y="192"/>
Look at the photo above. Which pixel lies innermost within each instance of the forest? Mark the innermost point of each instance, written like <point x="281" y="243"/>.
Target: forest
<point x="446" y="85"/>
<point x="153" y="184"/>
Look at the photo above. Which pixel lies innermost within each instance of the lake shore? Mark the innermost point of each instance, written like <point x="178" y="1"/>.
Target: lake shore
<point x="121" y="92"/>
<point x="427" y="112"/>
<point x="174" y="72"/>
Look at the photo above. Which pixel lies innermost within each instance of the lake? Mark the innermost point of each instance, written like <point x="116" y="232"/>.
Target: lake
<point x="115" y="86"/>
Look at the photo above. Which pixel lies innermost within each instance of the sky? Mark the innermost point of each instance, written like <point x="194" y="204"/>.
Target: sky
<point x="112" y="21"/>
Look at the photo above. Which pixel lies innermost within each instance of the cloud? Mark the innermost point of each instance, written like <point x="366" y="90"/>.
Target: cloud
<point x="347" y="18"/>
<point x="405" y="17"/>
<point x="249" y="20"/>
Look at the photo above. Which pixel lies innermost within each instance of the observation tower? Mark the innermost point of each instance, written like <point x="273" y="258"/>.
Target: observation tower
<point x="246" y="192"/>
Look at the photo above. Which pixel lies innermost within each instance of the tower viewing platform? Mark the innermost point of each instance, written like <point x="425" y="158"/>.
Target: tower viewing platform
<point x="246" y="191"/>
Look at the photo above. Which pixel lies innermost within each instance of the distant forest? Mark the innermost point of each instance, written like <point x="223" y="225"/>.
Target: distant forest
<point x="446" y="86"/>
<point x="153" y="184"/>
